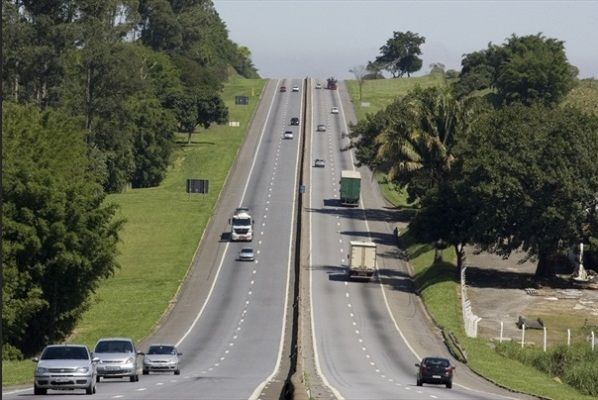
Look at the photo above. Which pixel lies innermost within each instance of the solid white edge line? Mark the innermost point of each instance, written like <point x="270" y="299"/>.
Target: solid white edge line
<point x="258" y="390"/>
<point x="200" y="313"/>
<point x="311" y="302"/>
<point x="394" y="321"/>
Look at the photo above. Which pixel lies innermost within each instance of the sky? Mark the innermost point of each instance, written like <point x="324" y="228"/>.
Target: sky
<point x="322" y="38"/>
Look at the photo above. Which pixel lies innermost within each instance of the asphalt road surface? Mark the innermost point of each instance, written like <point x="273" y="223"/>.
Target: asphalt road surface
<point x="232" y="340"/>
<point x="359" y="349"/>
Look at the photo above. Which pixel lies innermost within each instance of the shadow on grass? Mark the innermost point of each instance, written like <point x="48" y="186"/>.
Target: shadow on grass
<point x="494" y="278"/>
<point x="437" y="273"/>
<point x="193" y="143"/>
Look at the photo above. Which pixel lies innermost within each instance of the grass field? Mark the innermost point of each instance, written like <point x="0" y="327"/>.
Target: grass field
<point x="381" y="92"/>
<point x="439" y="282"/>
<point x="164" y="225"/>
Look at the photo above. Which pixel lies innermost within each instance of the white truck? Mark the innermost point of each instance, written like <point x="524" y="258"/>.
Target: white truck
<point x="241" y="225"/>
<point x="362" y="261"/>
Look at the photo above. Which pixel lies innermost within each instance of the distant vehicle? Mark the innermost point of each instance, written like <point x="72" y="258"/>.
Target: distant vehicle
<point x="294" y="121"/>
<point x="334" y="110"/>
<point x="241" y="225"/>
<point x="321" y="128"/>
<point x="118" y="358"/>
<point x="318" y="85"/>
<point x="331" y="83"/>
<point x="362" y="260"/>
<point x="295" y="89"/>
<point x="283" y="89"/>
<point x="319" y="163"/>
<point x="288" y="134"/>
<point x="350" y="188"/>
<point x="161" y="358"/>
<point x="435" y="370"/>
<point x="246" y="254"/>
<point x="65" y="367"/>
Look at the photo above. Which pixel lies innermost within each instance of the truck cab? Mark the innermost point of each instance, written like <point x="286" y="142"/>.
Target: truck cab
<point x="241" y="225"/>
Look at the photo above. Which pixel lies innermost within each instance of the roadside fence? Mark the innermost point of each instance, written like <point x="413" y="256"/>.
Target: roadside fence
<point x="531" y="337"/>
<point x="469" y="318"/>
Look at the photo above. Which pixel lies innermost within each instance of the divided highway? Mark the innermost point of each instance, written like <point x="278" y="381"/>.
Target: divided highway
<point x="231" y="320"/>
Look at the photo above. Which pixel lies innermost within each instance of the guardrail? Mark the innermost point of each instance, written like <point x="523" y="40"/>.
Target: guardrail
<point x="470" y="320"/>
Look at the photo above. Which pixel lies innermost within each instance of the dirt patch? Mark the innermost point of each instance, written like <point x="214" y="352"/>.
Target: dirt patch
<point x="504" y="289"/>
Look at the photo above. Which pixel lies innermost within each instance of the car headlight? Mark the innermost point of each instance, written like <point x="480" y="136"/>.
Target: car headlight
<point x="41" y="371"/>
<point x="130" y="360"/>
<point x="83" y="369"/>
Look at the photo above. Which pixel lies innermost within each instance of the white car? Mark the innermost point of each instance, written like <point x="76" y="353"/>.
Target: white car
<point x="295" y="89"/>
<point x="318" y="85"/>
<point x="288" y="135"/>
<point x="246" y="254"/>
<point x="334" y="110"/>
<point x="321" y="128"/>
<point x="65" y="367"/>
<point x="319" y="163"/>
<point x="161" y="358"/>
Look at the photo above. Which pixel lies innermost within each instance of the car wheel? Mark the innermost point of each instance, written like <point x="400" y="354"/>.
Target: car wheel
<point x="419" y="383"/>
<point x="94" y="389"/>
<point x="449" y="385"/>
<point x="39" y="391"/>
<point x="98" y="378"/>
<point x="89" y="389"/>
<point x="145" y="372"/>
<point x="177" y="372"/>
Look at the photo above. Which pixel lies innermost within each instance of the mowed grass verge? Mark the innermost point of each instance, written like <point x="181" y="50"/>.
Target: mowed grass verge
<point x="379" y="93"/>
<point x="439" y="289"/>
<point x="162" y="232"/>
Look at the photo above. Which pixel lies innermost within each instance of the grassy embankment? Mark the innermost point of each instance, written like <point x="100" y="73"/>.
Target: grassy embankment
<point x="164" y="225"/>
<point x="439" y="282"/>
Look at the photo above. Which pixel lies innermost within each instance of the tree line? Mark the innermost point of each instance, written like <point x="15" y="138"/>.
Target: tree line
<point x="94" y="92"/>
<point x="494" y="159"/>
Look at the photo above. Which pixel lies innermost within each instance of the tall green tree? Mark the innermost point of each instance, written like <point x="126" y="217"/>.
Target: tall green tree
<point x="59" y="237"/>
<point x="533" y="172"/>
<point x="399" y="55"/>
<point x="524" y="69"/>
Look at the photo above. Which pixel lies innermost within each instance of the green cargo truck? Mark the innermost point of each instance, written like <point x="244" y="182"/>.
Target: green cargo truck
<point x="350" y="187"/>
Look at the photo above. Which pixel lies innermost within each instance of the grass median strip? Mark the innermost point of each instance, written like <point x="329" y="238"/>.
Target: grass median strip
<point x="163" y="228"/>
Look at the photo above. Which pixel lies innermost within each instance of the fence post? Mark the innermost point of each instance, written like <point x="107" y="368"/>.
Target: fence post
<point x="522" y="335"/>
<point x="501" y="331"/>
<point x="568" y="337"/>
<point x="544" y="339"/>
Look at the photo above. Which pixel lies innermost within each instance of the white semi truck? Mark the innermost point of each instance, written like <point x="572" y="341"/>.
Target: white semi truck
<point x="241" y="225"/>
<point x="362" y="261"/>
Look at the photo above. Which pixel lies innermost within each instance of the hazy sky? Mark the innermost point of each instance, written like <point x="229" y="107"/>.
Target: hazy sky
<point x="321" y="38"/>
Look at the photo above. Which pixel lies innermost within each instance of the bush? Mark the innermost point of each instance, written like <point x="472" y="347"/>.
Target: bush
<point x="11" y="353"/>
<point x="576" y="365"/>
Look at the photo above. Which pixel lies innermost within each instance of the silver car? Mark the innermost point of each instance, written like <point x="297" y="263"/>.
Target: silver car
<point x="246" y="254"/>
<point x="118" y="358"/>
<point x="65" y="367"/>
<point x="161" y="358"/>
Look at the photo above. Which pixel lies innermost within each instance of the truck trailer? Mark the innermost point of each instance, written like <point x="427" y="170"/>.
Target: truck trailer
<point x="241" y="225"/>
<point x="362" y="261"/>
<point x="350" y="188"/>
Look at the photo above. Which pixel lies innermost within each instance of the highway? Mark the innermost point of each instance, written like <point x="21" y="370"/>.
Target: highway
<point x="360" y="351"/>
<point x="231" y="319"/>
<point x="232" y="339"/>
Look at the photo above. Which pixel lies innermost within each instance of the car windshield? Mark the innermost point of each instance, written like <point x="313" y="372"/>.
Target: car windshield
<point x="246" y="250"/>
<point x="436" y="362"/>
<point x="241" y="221"/>
<point x="65" y="353"/>
<point x="114" y="346"/>
<point x="162" y="350"/>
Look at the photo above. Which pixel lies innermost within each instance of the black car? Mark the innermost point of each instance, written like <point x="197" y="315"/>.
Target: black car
<point x="294" y="121"/>
<point x="435" y="370"/>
